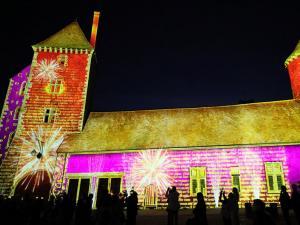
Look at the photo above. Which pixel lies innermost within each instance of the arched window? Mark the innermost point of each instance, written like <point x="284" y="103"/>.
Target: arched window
<point x="62" y="60"/>
<point x="22" y="88"/>
<point x="17" y="113"/>
<point x="10" y="138"/>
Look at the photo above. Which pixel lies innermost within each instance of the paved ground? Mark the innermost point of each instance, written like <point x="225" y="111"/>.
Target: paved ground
<point x="159" y="217"/>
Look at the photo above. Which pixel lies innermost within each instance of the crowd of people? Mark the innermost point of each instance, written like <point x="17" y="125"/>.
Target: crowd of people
<point x="110" y="209"/>
<point x="230" y="208"/>
<point x="63" y="210"/>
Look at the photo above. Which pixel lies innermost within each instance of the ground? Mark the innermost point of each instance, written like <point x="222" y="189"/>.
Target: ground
<point x="159" y="217"/>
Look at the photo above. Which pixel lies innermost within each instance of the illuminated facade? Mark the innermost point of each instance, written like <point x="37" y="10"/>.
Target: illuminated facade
<point x="254" y="147"/>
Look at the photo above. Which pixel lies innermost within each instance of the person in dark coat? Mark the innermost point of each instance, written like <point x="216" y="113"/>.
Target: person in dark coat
<point x="132" y="208"/>
<point x="233" y="208"/>
<point x="225" y="211"/>
<point x="260" y="216"/>
<point x="295" y="202"/>
<point x="173" y="205"/>
<point x="200" y="210"/>
<point x="284" y="200"/>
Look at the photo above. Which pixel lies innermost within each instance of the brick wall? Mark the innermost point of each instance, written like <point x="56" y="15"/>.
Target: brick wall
<point x="217" y="162"/>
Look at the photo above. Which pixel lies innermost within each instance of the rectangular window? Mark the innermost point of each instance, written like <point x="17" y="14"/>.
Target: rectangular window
<point x="49" y="115"/>
<point x="197" y="180"/>
<point x="112" y="184"/>
<point x="274" y="176"/>
<point x="235" y="178"/>
<point x="72" y="189"/>
<point x="78" y="188"/>
<point x="56" y="86"/>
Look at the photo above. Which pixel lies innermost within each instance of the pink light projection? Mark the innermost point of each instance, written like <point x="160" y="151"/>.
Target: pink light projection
<point x="218" y="163"/>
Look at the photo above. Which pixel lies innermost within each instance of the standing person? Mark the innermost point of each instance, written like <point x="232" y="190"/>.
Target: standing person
<point x="236" y="194"/>
<point x="233" y="208"/>
<point x="132" y="208"/>
<point x="260" y="216"/>
<point x="225" y="211"/>
<point x="295" y="202"/>
<point x="173" y="205"/>
<point x="200" y="210"/>
<point x="284" y="200"/>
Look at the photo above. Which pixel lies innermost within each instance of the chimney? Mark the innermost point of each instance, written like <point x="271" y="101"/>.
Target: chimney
<point x="94" y="29"/>
<point x="293" y="65"/>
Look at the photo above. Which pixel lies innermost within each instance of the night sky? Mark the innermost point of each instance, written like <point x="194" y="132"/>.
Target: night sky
<point x="166" y="55"/>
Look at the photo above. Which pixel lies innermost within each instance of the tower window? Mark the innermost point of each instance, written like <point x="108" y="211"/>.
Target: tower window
<point x="17" y="113"/>
<point x="49" y="115"/>
<point x="56" y="86"/>
<point x="22" y="88"/>
<point x="62" y="60"/>
<point x="10" y="138"/>
<point x="274" y="176"/>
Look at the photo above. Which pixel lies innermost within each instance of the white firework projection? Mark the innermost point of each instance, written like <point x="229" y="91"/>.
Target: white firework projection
<point x="151" y="168"/>
<point x="41" y="149"/>
<point x="46" y="70"/>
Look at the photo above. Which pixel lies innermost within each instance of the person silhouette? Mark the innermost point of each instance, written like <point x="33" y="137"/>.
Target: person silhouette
<point x="260" y="216"/>
<point x="284" y="200"/>
<point x="225" y="211"/>
<point x="233" y="208"/>
<point x="132" y="208"/>
<point x="200" y="210"/>
<point x="295" y="202"/>
<point x="173" y="205"/>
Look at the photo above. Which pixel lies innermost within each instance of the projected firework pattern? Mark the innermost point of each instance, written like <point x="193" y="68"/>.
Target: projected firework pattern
<point x="41" y="147"/>
<point x="46" y="70"/>
<point x="151" y="168"/>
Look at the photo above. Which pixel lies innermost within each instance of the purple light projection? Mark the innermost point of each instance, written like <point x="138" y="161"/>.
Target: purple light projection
<point x="218" y="164"/>
<point x="11" y="107"/>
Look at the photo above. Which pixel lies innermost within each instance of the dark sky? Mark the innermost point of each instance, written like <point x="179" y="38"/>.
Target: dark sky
<point x="166" y="54"/>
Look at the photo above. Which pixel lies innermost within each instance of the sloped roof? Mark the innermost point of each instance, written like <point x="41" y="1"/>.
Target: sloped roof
<point x="267" y="123"/>
<point x="70" y="36"/>
<point x="294" y="54"/>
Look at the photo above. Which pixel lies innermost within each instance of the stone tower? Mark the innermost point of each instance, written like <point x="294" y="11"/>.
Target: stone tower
<point x="54" y="105"/>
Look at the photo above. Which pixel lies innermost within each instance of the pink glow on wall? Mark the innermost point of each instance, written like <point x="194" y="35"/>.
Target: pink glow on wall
<point x="218" y="163"/>
<point x="293" y="159"/>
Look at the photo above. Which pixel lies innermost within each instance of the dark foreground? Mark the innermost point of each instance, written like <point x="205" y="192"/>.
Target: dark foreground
<point x="159" y="217"/>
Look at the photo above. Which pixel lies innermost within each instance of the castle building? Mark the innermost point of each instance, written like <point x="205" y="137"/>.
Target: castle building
<point x="58" y="145"/>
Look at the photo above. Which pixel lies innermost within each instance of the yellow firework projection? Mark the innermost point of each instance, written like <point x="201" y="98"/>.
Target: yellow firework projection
<point x="46" y="70"/>
<point x="151" y="168"/>
<point x="41" y="149"/>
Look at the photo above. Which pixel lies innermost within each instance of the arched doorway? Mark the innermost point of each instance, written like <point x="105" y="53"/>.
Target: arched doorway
<point x="34" y="185"/>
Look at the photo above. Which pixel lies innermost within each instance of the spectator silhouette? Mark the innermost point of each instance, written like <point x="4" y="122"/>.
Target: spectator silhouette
<point x="233" y="208"/>
<point x="117" y="210"/>
<point x="173" y="205"/>
<point x="260" y="216"/>
<point x="132" y="208"/>
<point x="104" y="207"/>
<point x="67" y="208"/>
<point x="199" y="212"/>
<point x="284" y="200"/>
<point x="225" y="210"/>
<point x="295" y="202"/>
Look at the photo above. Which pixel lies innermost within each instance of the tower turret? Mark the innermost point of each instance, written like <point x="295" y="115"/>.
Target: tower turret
<point x="293" y="65"/>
